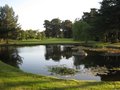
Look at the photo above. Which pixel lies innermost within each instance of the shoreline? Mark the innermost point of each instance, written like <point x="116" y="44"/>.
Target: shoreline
<point x="14" y="79"/>
<point x="91" y="45"/>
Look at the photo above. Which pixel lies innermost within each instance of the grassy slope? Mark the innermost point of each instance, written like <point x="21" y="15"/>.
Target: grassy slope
<point x="14" y="79"/>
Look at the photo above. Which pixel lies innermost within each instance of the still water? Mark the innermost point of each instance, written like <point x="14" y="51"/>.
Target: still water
<point x="38" y="59"/>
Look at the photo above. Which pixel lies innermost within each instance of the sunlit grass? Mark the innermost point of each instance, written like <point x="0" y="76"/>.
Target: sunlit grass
<point x="44" y="41"/>
<point x="92" y="44"/>
<point x="14" y="79"/>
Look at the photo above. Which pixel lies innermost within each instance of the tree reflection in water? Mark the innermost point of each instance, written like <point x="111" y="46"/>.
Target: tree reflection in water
<point x="56" y="52"/>
<point x="107" y="67"/>
<point x="94" y="62"/>
<point x="100" y="65"/>
<point x="67" y="52"/>
<point x="53" y="52"/>
<point x="10" y="56"/>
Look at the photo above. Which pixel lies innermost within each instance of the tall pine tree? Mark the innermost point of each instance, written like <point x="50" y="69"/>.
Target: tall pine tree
<point x="8" y="22"/>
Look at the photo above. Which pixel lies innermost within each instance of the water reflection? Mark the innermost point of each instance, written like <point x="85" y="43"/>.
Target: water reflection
<point x="35" y="59"/>
<point x="100" y="65"/>
<point x="53" y="52"/>
<point x="77" y="61"/>
<point x="94" y="63"/>
<point x="67" y="52"/>
<point x="96" y="59"/>
<point x="10" y="56"/>
<point x="113" y="75"/>
<point x="56" y="52"/>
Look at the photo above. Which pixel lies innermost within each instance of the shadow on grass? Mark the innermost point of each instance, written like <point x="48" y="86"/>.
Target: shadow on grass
<point x="86" y="86"/>
<point x="54" y="84"/>
<point x="40" y="83"/>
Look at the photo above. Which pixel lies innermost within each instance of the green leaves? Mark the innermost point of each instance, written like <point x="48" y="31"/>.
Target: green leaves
<point x="8" y="22"/>
<point x="109" y="20"/>
<point x="55" y="28"/>
<point x="52" y="27"/>
<point x="81" y="30"/>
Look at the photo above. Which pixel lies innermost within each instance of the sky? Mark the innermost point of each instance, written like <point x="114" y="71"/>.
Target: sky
<point x="32" y="13"/>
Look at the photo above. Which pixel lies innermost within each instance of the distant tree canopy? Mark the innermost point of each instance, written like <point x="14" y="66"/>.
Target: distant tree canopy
<point x="102" y="24"/>
<point x="56" y="28"/>
<point x="67" y="28"/>
<point x="81" y="31"/>
<point x="30" y="34"/>
<point x="10" y="29"/>
<point x="47" y="26"/>
<point x="52" y="27"/>
<point x="108" y="20"/>
<point x="83" y="28"/>
<point x="8" y="22"/>
<point x="99" y="24"/>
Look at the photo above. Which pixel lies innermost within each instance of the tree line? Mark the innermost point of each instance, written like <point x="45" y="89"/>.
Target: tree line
<point x="30" y="34"/>
<point x="57" y="28"/>
<point x="8" y="22"/>
<point x="11" y="29"/>
<point x="99" y="25"/>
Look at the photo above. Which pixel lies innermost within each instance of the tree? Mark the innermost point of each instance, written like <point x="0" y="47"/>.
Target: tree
<point x="67" y="29"/>
<point x="21" y="35"/>
<point x="31" y="34"/>
<point x="55" y="26"/>
<point x="41" y="35"/>
<point x="8" y="22"/>
<point x="109" y="20"/>
<point x="90" y="18"/>
<point x="81" y="30"/>
<point x="47" y="25"/>
<point x="15" y="34"/>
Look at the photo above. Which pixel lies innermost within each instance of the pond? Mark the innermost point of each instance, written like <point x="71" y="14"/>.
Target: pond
<point x="90" y="65"/>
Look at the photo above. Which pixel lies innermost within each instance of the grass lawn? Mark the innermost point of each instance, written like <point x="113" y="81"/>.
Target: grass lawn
<point x="14" y="79"/>
<point x="93" y="44"/>
<point x="44" y="41"/>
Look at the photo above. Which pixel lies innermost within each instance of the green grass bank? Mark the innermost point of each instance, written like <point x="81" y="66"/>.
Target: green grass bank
<point x="41" y="42"/>
<point x="15" y="79"/>
<point x="48" y="41"/>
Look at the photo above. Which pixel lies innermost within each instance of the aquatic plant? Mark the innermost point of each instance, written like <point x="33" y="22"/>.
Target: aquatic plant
<point x="62" y="70"/>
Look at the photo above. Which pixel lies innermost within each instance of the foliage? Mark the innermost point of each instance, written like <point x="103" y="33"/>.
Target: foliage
<point x="91" y="18"/>
<point x="81" y="30"/>
<point x="98" y="25"/>
<point x="8" y="22"/>
<point x="67" y="28"/>
<point x="52" y="27"/>
<point x="47" y="26"/>
<point x="61" y="70"/>
<point x="104" y="23"/>
<point x="55" y="25"/>
<point x="30" y="34"/>
<point x="108" y="21"/>
<point x="56" y="29"/>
